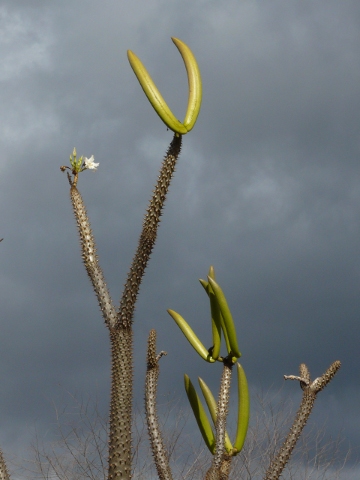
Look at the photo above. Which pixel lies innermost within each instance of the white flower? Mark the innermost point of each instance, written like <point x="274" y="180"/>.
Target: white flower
<point x="90" y="164"/>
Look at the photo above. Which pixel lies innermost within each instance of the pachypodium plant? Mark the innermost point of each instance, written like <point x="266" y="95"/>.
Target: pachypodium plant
<point x="310" y="391"/>
<point x="222" y="323"/>
<point x="219" y="443"/>
<point x="119" y="321"/>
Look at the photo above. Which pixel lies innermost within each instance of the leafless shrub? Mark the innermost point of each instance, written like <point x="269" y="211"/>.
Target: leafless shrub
<point x="79" y="450"/>
<point x="317" y="456"/>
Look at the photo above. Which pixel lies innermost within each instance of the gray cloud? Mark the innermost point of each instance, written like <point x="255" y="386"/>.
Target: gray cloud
<point x="267" y="190"/>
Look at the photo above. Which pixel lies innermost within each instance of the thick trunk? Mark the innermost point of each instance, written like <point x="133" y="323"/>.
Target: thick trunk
<point x="120" y="404"/>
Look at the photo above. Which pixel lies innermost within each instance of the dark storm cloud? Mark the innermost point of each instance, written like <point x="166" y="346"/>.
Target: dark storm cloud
<point x="267" y="190"/>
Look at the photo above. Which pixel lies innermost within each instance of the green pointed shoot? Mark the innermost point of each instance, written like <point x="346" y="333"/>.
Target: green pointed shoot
<point x="211" y="404"/>
<point x="243" y="409"/>
<point x="215" y="316"/>
<point x="216" y="325"/>
<point x="215" y="313"/>
<point x="226" y="336"/>
<point x="191" y="336"/>
<point x="211" y="273"/>
<point x="215" y="320"/>
<point x="227" y="317"/>
<point x="200" y="415"/>
<point x="155" y="97"/>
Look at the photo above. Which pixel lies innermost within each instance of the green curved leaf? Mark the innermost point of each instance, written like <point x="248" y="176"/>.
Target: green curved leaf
<point x="194" y="81"/>
<point x="227" y="317"/>
<point x="200" y="415"/>
<point x="212" y="406"/>
<point x="154" y="96"/>
<point x="243" y="409"/>
<point x="191" y="336"/>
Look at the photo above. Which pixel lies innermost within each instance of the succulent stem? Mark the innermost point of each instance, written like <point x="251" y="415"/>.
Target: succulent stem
<point x="121" y="335"/>
<point x="120" y="442"/>
<point x="148" y="234"/>
<point x="4" y="473"/>
<point x="90" y="258"/>
<point x="157" y="445"/>
<point x="310" y="391"/>
<point x="120" y="323"/>
<point x="220" y="465"/>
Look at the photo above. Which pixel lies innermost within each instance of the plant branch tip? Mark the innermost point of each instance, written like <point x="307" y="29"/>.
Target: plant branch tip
<point x="302" y="380"/>
<point x="157" y="101"/>
<point x="320" y="382"/>
<point x="161" y="354"/>
<point x="78" y="165"/>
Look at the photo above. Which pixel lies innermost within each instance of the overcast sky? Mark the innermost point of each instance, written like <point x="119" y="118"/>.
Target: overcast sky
<point x="267" y="189"/>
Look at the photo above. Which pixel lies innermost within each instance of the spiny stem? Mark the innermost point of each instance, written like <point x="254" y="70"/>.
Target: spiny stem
<point x="120" y="441"/>
<point x="4" y="473"/>
<point x="148" y="234"/>
<point x="310" y="391"/>
<point x="220" y="466"/>
<point x="90" y="258"/>
<point x="120" y="323"/>
<point x="121" y="349"/>
<point x="221" y="413"/>
<point x="156" y="441"/>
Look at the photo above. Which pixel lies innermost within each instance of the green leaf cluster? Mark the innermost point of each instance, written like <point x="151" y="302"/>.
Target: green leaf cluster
<point x="221" y="323"/>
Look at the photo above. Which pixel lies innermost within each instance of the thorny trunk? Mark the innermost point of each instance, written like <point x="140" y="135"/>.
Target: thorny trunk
<point x="220" y="467"/>
<point x="122" y="374"/>
<point x="158" y="449"/>
<point x="120" y="404"/>
<point x="148" y="234"/>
